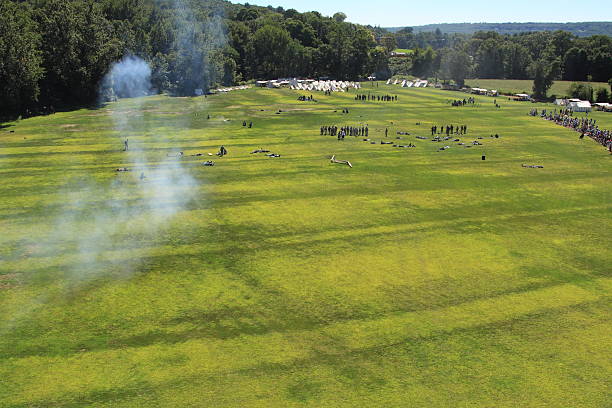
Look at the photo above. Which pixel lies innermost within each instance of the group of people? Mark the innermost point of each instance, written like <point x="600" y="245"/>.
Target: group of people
<point x="450" y="129"/>
<point x="304" y="98"/>
<point x="464" y="102"/>
<point x="342" y="132"/>
<point x="376" y="98"/>
<point x="584" y="125"/>
<point x="244" y="123"/>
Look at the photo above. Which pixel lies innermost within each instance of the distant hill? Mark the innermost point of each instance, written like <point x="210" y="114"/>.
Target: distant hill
<point x="585" y="29"/>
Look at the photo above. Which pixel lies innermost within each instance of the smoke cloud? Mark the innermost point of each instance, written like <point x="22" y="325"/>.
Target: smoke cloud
<point x="199" y="49"/>
<point x="129" y="78"/>
<point x="105" y="230"/>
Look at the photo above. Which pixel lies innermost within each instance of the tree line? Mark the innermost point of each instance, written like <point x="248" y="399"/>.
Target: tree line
<point x="56" y="52"/>
<point x="496" y="56"/>
<point x="583" y="29"/>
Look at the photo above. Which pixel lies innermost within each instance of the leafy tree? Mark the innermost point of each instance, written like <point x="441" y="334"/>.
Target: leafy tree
<point x="456" y="65"/>
<point x="490" y="59"/>
<point x="423" y="61"/>
<point x="20" y="65"/>
<point x="388" y="43"/>
<point x="581" y="91"/>
<point x="339" y="17"/>
<point x="600" y="63"/>
<point x="544" y="78"/>
<point x="301" y="32"/>
<point x="516" y="61"/>
<point x="272" y="49"/>
<point x="380" y="63"/>
<point x="602" y="95"/>
<point x="77" y="50"/>
<point x="576" y="63"/>
<point x="247" y="14"/>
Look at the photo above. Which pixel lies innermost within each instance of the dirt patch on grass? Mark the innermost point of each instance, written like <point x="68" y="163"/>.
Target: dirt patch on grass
<point x="10" y="280"/>
<point x="68" y="126"/>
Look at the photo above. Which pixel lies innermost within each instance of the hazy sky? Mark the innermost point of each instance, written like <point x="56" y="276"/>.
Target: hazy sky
<point x="395" y="13"/>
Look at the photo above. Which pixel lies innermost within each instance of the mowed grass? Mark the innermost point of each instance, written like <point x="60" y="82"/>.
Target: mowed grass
<point x="418" y="278"/>
<point x="559" y="88"/>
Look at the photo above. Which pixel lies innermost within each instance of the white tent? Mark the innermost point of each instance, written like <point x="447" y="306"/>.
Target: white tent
<point x="580" y="106"/>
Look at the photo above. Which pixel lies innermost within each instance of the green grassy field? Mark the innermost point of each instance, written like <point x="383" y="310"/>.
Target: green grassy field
<point x="507" y="86"/>
<point x="418" y="278"/>
<point x="404" y="50"/>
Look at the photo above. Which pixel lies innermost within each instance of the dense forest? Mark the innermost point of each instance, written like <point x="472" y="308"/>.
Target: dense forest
<point x="487" y="54"/>
<point x="56" y="52"/>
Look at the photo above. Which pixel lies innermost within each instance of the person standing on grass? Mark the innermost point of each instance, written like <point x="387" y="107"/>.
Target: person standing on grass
<point x="125" y="145"/>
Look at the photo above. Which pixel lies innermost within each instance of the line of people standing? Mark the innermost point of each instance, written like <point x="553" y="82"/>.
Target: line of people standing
<point x="450" y="129"/>
<point x="376" y="98"/>
<point x="343" y="131"/>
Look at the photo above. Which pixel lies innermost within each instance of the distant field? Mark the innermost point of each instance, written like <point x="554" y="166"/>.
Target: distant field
<point x="559" y="88"/>
<point x="403" y="50"/>
<point x="418" y="278"/>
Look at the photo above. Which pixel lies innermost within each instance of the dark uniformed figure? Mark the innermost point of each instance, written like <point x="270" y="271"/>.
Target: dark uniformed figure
<point x="125" y="145"/>
<point x="222" y="151"/>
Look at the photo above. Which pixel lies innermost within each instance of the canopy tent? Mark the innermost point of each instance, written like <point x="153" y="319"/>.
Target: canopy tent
<point x="580" y="106"/>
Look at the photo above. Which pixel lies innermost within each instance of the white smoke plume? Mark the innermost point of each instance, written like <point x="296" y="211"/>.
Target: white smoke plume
<point x="104" y="230"/>
<point x="129" y="78"/>
<point x="199" y="45"/>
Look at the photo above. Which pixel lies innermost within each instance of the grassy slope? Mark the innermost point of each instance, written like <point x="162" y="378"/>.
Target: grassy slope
<point x="559" y="88"/>
<point x="417" y="278"/>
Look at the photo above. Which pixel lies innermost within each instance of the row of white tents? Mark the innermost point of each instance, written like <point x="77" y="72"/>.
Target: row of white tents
<point x="409" y="84"/>
<point x="325" y="86"/>
<point x="310" y="85"/>
<point x="234" y="88"/>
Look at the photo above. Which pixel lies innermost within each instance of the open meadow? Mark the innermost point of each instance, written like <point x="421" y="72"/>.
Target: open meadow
<point x="417" y="278"/>
<point x="509" y="86"/>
